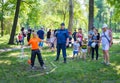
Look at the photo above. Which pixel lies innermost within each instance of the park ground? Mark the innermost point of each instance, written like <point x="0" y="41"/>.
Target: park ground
<point x="16" y="70"/>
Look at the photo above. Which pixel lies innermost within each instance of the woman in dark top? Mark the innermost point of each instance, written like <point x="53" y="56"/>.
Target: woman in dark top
<point x="48" y="35"/>
<point x="29" y="34"/>
<point x="95" y="39"/>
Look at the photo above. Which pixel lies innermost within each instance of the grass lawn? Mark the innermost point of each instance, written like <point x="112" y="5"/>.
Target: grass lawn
<point x="16" y="70"/>
<point x="4" y="42"/>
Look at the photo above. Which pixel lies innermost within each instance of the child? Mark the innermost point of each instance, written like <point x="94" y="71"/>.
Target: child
<point x="52" y="40"/>
<point x="34" y="41"/>
<point x="84" y="48"/>
<point x="20" y="38"/>
<point x="76" y="47"/>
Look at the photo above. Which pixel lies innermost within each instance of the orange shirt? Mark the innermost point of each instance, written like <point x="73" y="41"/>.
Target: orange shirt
<point x="34" y="42"/>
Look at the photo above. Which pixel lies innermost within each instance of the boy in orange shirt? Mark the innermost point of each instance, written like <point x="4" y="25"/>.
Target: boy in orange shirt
<point x="34" y="42"/>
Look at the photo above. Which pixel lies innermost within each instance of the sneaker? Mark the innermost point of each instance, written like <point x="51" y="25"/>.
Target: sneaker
<point x="108" y="64"/>
<point x="43" y="67"/>
<point x="56" y="60"/>
<point x="33" y="68"/>
<point x="103" y="62"/>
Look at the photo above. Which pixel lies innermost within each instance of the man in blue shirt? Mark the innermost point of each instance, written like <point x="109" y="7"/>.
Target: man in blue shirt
<point x="40" y="34"/>
<point x="62" y="37"/>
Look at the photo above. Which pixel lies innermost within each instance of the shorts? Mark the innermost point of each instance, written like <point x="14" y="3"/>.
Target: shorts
<point x="89" y="43"/>
<point x="52" y="45"/>
<point x="84" y="50"/>
<point x="105" y="46"/>
<point x="48" y="40"/>
<point x="41" y="44"/>
<point x="75" y="52"/>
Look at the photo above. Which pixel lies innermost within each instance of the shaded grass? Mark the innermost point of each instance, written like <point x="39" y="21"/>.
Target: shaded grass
<point x="15" y="70"/>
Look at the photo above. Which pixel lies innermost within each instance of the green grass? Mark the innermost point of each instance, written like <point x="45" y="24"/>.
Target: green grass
<point x="116" y="35"/>
<point x="15" y="70"/>
<point x="4" y="42"/>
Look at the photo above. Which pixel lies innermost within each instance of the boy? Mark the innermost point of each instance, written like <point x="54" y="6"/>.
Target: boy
<point x="34" y="42"/>
<point x="84" y="48"/>
<point x="76" y="47"/>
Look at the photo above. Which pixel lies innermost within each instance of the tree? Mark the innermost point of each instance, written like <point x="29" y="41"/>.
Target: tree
<point x="70" y="15"/>
<point x="11" y="40"/>
<point x="2" y="20"/>
<point x="91" y="14"/>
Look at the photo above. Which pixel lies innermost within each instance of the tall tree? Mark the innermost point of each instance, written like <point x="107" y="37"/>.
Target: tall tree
<point x="70" y="15"/>
<point x="2" y="20"/>
<point x="11" y="40"/>
<point x="91" y="14"/>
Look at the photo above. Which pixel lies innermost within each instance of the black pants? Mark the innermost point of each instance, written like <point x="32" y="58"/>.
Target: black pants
<point x="33" y="56"/>
<point x="95" y="49"/>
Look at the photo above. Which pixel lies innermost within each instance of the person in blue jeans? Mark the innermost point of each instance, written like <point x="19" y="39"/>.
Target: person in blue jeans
<point x="90" y="34"/>
<point x="40" y="34"/>
<point x="62" y="37"/>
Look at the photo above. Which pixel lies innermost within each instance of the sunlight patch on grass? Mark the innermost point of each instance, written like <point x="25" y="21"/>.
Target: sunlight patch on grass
<point x="8" y="62"/>
<point x="118" y="69"/>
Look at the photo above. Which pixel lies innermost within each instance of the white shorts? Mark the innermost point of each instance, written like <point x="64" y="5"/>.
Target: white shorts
<point x="84" y="50"/>
<point x="105" y="47"/>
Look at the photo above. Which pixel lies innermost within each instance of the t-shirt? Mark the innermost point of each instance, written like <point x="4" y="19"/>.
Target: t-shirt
<point x="79" y="36"/>
<point x="96" y="37"/>
<point x="52" y="39"/>
<point x="34" y="42"/>
<point x="104" y="39"/>
<point x="84" y="45"/>
<point x="40" y="34"/>
<point x="48" y="34"/>
<point x="20" y="37"/>
<point x="90" y="33"/>
<point x="76" y="46"/>
<point x="74" y="35"/>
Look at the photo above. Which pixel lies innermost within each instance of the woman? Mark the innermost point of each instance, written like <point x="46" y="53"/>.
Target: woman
<point x="79" y="36"/>
<point x="48" y="37"/>
<point x="106" y="38"/>
<point x="95" y="39"/>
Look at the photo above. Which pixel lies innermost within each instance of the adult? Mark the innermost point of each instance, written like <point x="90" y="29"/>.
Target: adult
<point x="62" y="37"/>
<point x="24" y="34"/>
<point x="79" y="36"/>
<point x="95" y="41"/>
<point x="90" y="34"/>
<point x="29" y="34"/>
<point x="74" y="35"/>
<point x="48" y="36"/>
<point x="106" y="38"/>
<point x="40" y="34"/>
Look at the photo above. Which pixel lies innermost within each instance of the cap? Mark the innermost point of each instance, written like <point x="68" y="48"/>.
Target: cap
<point x="105" y="26"/>
<point x="62" y="24"/>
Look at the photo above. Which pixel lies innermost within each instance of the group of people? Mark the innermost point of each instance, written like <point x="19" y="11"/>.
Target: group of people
<point x="61" y="39"/>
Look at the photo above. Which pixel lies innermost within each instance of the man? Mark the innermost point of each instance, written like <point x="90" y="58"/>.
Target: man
<point x="90" y="34"/>
<point x="106" y="38"/>
<point x="74" y="35"/>
<point x="62" y="37"/>
<point x="40" y="34"/>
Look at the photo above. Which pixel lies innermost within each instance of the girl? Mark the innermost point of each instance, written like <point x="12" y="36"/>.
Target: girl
<point x="84" y="48"/>
<point x="95" y="39"/>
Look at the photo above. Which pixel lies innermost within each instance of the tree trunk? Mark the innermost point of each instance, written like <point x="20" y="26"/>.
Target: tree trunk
<point x="70" y="15"/>
<point x="2" y="27"/>
<point x="11" y="40"/>
<point x="91" y="14"/>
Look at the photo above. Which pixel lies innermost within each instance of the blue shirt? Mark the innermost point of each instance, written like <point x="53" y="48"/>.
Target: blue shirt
<point x="40" y="34"/>
<point x="62" y="35"/>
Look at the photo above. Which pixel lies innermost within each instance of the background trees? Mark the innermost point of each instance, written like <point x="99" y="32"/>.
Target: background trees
<point x="50" y="13"/>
